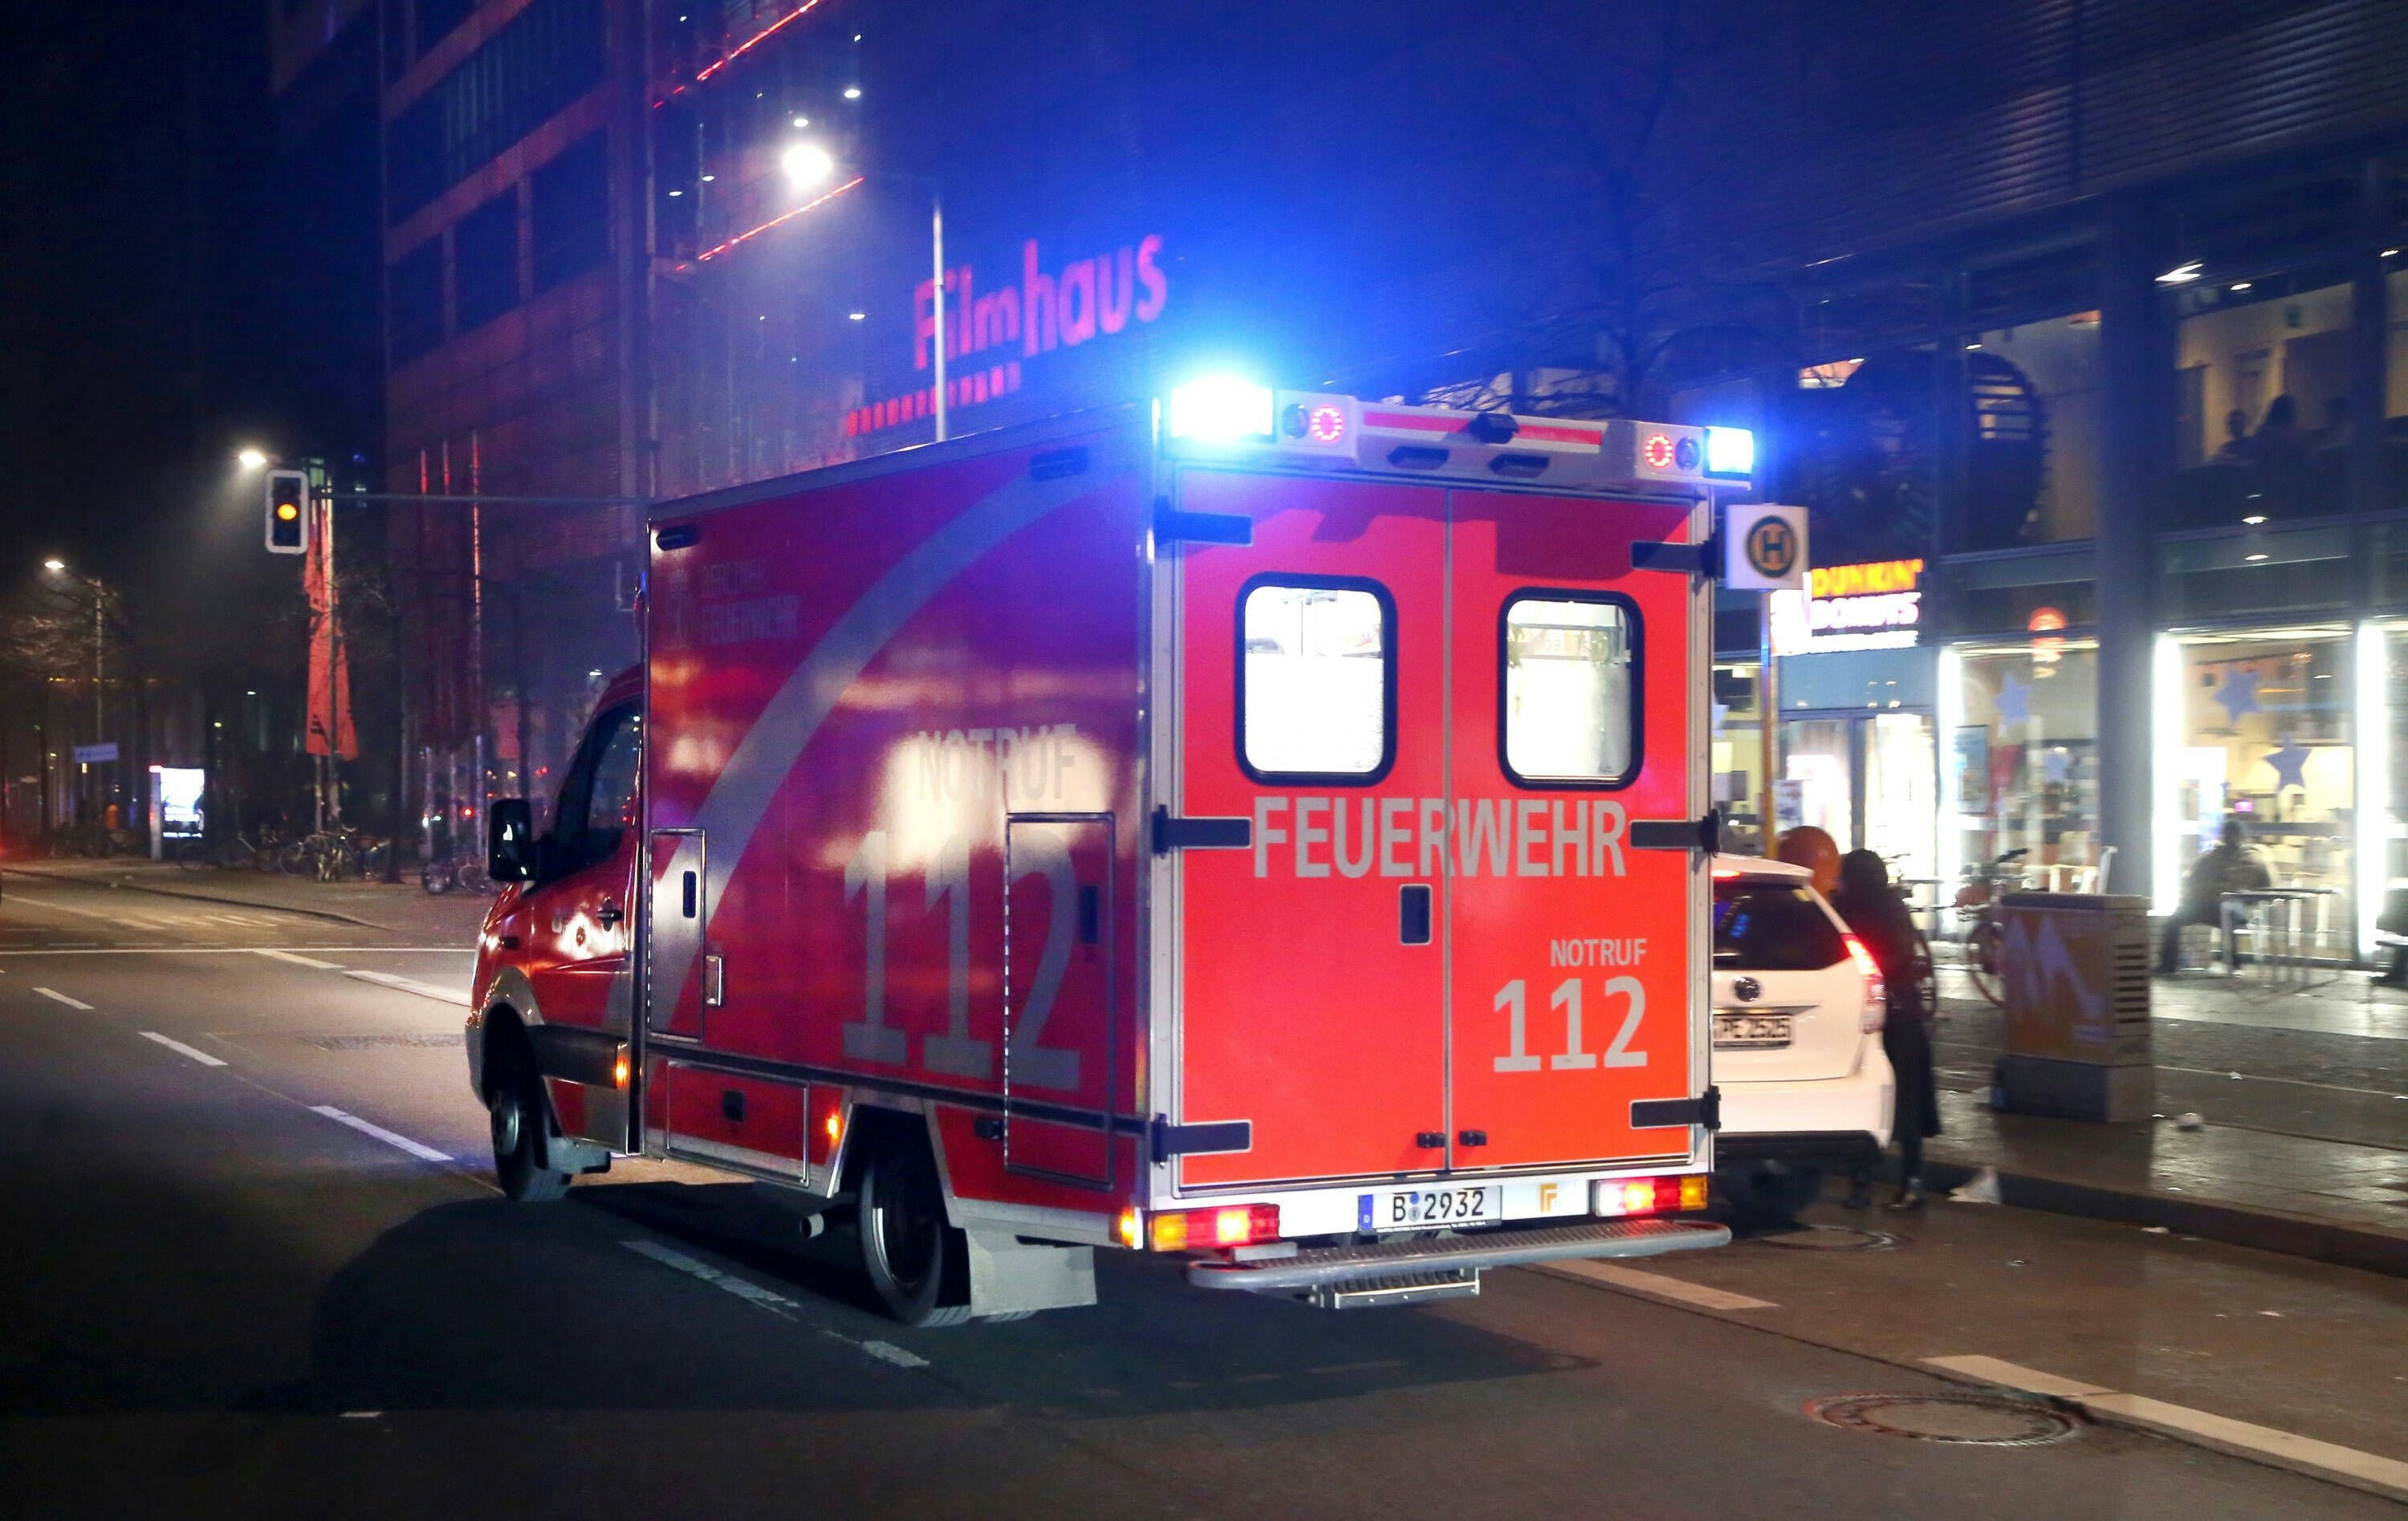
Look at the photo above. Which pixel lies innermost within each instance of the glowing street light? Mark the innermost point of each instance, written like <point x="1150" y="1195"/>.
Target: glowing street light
<point x="251" y="458"/>
<point x="54" y="566"/>
<point x="807" y="164"/>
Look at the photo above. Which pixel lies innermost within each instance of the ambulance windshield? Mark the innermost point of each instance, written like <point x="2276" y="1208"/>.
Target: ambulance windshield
<point x="1315" y="681"/>
<point x="1568" y="711"/>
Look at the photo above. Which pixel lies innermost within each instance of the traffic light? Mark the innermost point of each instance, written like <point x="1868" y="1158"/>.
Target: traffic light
<point x="288" y="512"/>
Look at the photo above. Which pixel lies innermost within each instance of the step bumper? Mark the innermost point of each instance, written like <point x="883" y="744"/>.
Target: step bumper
<point x="1502" y="1248"/>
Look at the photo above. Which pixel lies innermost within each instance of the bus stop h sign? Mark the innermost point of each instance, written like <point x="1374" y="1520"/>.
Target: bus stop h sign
<point x="1764" y="548"/>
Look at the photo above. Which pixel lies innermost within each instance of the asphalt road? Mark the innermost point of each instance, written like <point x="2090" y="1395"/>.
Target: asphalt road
<point x="253" y="1265"/>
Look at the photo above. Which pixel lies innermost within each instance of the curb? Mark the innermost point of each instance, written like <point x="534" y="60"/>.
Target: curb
<point x="2235" y="1224"/>
<point x="203" y="898"/>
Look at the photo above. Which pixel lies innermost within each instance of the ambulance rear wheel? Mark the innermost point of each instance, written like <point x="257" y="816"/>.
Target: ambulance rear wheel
<point x="521" y="1121"/>
<point x="918" y="1263"/>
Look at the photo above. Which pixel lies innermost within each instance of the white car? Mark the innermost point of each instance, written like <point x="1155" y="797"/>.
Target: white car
<point x="1797" y="1006"/>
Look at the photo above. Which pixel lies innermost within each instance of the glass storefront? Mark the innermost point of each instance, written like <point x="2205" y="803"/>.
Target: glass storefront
<point x="1858" y="751"/>
<point x="2019" y="763"/>
<point x="2262" y="423"/>
<point x="2261" y="730"/>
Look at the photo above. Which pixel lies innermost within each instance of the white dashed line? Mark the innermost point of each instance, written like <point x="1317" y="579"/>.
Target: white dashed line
<point x="408" y="984"/>
<point x="1656" y="1286"/>
<point x="769" y="1299"/>
<point x="297" y="959"/>
<point x="2280" y="1449"/>
<point x="58" y="997"/>
<point x="424" y="1154"/>
<point x="173" y="1044"/>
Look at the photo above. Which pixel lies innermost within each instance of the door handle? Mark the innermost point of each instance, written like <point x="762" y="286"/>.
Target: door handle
<point x="1414" y="913"/>
<point x="608" y="916"/>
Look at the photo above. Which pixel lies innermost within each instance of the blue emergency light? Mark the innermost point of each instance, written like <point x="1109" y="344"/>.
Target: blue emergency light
<point x="1730" y="454"/>
<point x="1221" y="408"/>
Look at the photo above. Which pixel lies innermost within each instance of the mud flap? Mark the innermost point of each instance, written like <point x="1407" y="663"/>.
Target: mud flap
<point x="1010" y="1277"/>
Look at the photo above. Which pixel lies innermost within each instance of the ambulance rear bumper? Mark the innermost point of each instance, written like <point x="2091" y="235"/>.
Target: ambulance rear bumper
<point x="1331" y="1266"/>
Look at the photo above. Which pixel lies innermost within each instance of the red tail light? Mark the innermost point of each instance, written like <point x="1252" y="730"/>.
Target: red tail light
<point x="1230" y="1225"/>
<point x="1651" y="1196"/>
<point x="1876" y="1006"/>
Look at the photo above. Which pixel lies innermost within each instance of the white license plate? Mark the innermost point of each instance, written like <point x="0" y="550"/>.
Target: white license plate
<point x="1427" y="1209"/>
<point x="1751" y="1032"/>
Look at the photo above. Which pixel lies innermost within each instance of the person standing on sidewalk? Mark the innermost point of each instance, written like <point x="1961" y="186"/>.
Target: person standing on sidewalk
<point x="1878" y="916"/>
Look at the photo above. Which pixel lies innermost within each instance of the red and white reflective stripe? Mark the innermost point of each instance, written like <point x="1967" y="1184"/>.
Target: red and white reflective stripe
<point x="1544" y="432"/>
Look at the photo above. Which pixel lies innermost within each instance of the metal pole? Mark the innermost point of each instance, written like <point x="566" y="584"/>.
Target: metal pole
<point x="936" y="252"/>
<point x="1767" y="707"/>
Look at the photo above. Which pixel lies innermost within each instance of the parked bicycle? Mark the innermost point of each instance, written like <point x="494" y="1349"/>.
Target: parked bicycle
<point x="1979" y="907"/>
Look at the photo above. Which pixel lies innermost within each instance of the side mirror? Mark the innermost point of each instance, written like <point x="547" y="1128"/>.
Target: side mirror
<point x="509" y="840"/>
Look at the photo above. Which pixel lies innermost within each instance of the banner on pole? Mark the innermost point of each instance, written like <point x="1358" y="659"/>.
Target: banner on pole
<point x="330" y="731"/>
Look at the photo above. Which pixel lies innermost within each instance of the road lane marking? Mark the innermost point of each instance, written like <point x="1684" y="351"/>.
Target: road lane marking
<point x="410" y="984"/>
<point x="1655" y="1285"/>
<point x="2009" y="1375"/>
<point x="2241" y="1438"/>
<point x="93" y="948"/>
<point x="424" y="1154"/>
<point x="297" y="959"/>
<point x="54" y="994"/>
<point x="172" y="1044"/>
<point x="769" y="1299"/>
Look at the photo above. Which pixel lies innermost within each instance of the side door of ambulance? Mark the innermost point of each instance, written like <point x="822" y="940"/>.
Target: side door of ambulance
<point x="1308" y="690"/>
<point x="1574" y="953"/>
<point x="579" y="929"/>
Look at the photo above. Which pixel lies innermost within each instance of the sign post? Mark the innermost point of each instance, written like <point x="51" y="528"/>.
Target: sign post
<point x="1764" y="551"/>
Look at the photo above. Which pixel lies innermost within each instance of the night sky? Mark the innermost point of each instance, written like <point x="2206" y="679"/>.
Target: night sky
<point x="172" y="290"/>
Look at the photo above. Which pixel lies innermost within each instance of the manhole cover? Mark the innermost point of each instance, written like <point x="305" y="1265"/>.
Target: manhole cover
<point x="1984" y="1420"/>
<point x="1808" y="1237"/>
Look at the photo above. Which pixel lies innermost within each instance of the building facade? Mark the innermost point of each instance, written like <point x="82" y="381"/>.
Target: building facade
<point x="2090" y="311"/>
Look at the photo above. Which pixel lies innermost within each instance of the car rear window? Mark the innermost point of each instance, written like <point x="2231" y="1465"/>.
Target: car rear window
<point x="1772" y="927"/>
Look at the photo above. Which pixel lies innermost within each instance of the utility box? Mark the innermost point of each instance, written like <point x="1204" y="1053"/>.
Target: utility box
<point x="2076" y="973"/>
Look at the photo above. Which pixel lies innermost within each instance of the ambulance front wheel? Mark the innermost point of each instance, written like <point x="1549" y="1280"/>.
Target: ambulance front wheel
<point x="522" y="1122"/>
<point x="917" y="1261"/>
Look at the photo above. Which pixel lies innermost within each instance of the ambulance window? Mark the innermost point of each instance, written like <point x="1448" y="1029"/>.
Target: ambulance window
<point x="1316" y="683"/>
<point x="1570" y="690"/>
<point x="597" y="801"/>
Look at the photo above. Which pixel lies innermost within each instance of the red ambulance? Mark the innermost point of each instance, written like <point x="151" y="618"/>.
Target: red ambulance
<point x="1269" y="828"/>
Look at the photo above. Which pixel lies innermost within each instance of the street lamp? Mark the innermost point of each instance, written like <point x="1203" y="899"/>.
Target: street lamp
<point x="809" y="165"/>
<point x="251" y="459"/>
<point x="99" y="628"/>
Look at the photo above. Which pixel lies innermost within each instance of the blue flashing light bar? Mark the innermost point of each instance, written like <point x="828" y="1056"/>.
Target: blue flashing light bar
<point x="1730" y="454"/>
<point x="1221" y="408"/>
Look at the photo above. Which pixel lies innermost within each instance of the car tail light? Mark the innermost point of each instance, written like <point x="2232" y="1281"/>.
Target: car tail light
<point x="1876" y="1005"/>
<point x="1132" y="1228"/>
<point x="1230" y="1225"/>
<point x="1651" y="1196"/>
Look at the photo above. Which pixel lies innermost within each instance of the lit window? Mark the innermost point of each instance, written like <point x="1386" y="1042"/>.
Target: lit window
<point x="1571" y="713"/>
<point x="1316" y="684"/>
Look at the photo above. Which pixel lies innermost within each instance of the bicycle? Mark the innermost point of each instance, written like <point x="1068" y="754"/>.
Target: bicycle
<point x="443" y="873"/>
<point x="1985" y="934"/>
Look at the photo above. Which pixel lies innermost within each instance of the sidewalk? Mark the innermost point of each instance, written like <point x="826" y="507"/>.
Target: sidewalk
<point x="406" y="909"/>
<point x="2303" y="1099"/>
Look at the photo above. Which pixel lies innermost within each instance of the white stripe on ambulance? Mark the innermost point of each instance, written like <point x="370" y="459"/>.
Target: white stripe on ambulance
<point x="1359" y="836"/>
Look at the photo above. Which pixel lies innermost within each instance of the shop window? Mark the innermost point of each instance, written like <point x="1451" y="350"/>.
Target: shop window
<point x="1860" y="454"/>
<point x="485" y="261"/>
<point x="1736" y="738"/>
<point x="2032" y="454"/>
<point x="568" y="212"/>
<point x="2395" y="382"/>
<point x="2264" y="726"/>
<point x="417" y="314"/>
<point x="2019" y="763"/>
<point x="1571" y="713"/>
<point x="1316" y="683"/>
<point x="2262" y="399"/>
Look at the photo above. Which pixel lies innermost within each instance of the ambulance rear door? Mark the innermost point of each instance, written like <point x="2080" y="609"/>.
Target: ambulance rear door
<point x="1575" y="917"/>
<point x="1303" y="826"/>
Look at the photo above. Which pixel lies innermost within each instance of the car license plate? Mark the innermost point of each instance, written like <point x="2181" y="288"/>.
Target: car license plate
<point x="1751" y="1032"/>
<point x="1427" y="1209"/>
